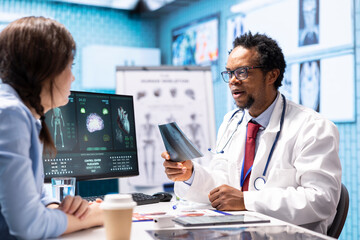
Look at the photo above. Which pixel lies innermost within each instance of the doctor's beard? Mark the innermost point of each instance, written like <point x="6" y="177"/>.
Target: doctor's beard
<point x="249" y="102"/>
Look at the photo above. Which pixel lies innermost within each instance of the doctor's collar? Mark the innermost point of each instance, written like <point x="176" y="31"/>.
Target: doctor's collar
<point x="264" y="118"/>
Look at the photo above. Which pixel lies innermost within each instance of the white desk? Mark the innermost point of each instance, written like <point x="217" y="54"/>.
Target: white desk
<point x="138" y="231"/>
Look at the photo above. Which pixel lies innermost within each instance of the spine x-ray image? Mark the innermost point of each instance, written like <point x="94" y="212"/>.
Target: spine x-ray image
<point x="177" y="144"/>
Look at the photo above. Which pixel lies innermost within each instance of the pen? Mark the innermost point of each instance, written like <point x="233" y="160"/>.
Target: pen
<point x="225" y="213"/>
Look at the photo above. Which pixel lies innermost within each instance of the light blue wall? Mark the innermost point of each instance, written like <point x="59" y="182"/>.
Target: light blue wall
<point x="89" y="25"/>
<point x="349" y="132"/>
<point x="92" y="25"/>
<point x="193" y="12"/>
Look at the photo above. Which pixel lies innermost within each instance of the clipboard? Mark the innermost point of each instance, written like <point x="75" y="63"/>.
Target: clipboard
<point x="219" y="220"/>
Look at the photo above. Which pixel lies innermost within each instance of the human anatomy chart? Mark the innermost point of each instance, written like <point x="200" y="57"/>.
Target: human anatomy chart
<point x="162" y="96"/>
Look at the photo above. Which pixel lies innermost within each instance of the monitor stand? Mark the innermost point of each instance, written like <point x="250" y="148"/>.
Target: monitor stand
<point x="96" y="187"/>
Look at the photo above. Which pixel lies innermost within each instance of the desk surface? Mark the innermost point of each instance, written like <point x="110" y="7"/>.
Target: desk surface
<point x="139" y="229"/>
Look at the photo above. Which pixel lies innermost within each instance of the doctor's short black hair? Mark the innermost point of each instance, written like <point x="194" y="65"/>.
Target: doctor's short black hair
<point x="270" y="54"/>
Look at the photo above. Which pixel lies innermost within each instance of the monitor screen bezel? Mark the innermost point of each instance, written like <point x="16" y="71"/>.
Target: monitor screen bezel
<point x="109" y="175"/>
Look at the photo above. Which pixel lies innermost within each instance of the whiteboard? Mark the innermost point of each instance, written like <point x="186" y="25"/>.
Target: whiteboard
<point x="165" y="94"/>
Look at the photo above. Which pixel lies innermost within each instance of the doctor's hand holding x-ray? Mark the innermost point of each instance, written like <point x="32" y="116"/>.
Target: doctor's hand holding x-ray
<point x="295" y="171"/>
<point x="223" y="197"/>
<point x="177" y="171"/>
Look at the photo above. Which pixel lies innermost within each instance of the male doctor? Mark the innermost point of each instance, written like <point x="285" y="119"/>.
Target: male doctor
<point x="295" y="175"/>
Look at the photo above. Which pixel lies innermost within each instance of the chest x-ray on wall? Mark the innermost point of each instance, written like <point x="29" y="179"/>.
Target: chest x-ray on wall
<point x="308" y="22"/>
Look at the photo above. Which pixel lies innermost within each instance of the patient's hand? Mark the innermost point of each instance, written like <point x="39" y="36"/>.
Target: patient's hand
<point x="75" y="206"/>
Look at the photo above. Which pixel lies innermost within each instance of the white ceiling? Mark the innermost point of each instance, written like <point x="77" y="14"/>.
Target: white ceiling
<point x="149" y="5"/>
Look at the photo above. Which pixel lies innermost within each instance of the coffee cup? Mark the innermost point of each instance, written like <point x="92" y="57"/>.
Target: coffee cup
<point x="117" y="211"/>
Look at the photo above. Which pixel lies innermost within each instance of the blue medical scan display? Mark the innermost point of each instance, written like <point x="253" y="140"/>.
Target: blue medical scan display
<point x="95" y="138"/>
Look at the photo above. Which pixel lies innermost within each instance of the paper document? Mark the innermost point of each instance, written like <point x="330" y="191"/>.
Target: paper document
<point x="177" y="144"/>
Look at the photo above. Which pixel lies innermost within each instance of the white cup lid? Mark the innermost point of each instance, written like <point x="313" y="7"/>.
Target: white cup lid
<point x="117" y="201"/>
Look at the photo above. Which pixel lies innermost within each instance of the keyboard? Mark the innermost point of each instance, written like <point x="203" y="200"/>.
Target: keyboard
<point x="139" y="198"/>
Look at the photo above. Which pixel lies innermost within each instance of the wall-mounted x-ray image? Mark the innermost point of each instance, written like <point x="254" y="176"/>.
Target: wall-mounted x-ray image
<point x="235" y="27"/>
<point x="308" y="22"/>
<point x="286" y="87"/>
<point x="309" y="87"/>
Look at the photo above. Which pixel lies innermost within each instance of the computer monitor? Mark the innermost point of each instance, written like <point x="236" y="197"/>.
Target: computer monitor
<point x="95" y="137"/>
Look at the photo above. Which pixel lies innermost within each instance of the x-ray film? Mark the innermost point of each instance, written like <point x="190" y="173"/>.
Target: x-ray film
<point x="177" y="144"/>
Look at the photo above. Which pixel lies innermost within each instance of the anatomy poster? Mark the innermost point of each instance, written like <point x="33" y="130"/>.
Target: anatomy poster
<point x="163" y="95"/>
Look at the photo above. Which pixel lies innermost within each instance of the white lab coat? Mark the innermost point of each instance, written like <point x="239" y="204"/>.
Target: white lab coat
<point x="303" y="180"/>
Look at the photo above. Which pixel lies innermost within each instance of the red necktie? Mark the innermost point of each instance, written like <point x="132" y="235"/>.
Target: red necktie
<point x="252" y="130"/>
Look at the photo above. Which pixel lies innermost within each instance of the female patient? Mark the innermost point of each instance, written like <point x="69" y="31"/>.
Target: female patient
<point x="36" y="56"/>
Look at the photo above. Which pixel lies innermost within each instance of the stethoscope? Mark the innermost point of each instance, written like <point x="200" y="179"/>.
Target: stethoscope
<point x="227" y="126"/>
<point x="260" y="181"/>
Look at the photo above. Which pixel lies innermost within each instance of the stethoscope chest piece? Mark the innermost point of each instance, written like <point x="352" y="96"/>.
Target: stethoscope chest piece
<point x="259" y="183"/>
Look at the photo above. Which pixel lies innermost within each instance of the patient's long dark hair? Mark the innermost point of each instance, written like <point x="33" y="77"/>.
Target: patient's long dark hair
<point x="34" y="50"/>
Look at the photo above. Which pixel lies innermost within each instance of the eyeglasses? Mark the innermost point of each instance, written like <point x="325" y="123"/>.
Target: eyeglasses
<point x="240" y="73"/>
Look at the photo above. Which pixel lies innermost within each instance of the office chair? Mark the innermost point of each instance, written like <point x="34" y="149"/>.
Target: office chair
<point x="341" y="213"/>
